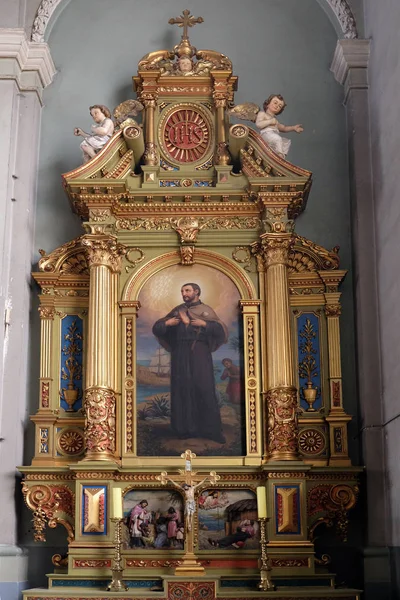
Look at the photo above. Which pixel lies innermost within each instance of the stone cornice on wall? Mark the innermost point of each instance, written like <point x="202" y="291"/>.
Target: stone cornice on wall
<point x="350" y="64"/>
<point x="28" y="63"/>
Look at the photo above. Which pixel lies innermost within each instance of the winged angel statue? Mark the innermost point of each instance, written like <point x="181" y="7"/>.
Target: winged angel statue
<point x="266" y="120"/>
<point x="103" y="126"/>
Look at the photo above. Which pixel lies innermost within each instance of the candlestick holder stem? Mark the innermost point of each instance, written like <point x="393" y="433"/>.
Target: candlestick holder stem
<point x="116" y="584"/>
<point x="265" y="570"/>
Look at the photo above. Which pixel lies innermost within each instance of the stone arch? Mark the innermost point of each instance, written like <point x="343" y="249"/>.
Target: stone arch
<point x="339" y="11"/>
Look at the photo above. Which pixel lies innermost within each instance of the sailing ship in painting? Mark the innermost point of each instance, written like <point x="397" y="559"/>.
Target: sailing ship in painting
<point x="158" y="372"/>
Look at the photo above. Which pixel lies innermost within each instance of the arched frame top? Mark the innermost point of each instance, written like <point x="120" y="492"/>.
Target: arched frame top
<point x="49" y="10"/>
<point x="203" y="257"/>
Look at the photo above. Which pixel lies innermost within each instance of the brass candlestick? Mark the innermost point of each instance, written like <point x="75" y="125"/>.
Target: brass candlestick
<point x="265" y="570"/>
<point x="116" y="584"/>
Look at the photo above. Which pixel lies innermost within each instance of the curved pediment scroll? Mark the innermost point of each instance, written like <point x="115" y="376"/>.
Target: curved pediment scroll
<point x="306" y="256"/>
<point x="68" y="259"/>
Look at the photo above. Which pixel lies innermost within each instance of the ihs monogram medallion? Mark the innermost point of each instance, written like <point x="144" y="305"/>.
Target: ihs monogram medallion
<point x="185" y="135"/>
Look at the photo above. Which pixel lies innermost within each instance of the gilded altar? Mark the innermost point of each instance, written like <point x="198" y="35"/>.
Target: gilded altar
<point x="186" y="196"/>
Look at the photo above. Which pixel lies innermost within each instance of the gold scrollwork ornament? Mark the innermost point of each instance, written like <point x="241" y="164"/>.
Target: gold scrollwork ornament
<point x="282" y="423"/>
<point x="100" y="421"/>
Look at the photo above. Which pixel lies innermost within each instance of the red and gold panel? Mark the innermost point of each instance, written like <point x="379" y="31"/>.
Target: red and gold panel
<point x="185" y="134"/>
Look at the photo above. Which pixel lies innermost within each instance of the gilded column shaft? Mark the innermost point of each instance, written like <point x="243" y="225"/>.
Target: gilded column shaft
<point x="280" y="367"/>
<point x="46" y="348"/>
<point x="150" y="153"/>
<point x="282" y="395"/>
<point x="335" y="369"/>
<point x="104" y="258"/>
<point x="46" y="333"/>
<point x="100" y="352"/>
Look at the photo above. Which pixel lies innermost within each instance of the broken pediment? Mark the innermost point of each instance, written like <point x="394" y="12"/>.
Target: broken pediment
<point x="185" y="150"/>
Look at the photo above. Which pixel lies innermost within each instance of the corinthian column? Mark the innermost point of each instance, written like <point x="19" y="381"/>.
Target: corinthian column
<point x="104" y="258"/>
<point x="282" y="394"/>
<point x="150" y="152"/>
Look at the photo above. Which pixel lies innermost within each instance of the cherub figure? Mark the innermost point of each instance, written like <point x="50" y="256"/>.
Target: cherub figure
<point x="184" y="66"/>
<point x="102" y="130"/>
<point x="270" y="127"/>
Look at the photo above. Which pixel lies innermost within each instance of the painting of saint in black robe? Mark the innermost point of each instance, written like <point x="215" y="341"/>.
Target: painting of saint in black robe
<point x="191" y="332"/>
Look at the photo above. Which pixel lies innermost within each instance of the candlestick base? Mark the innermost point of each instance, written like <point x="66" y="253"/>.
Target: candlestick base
<point x="265" y="583"/>
<point x="116" y="584"/>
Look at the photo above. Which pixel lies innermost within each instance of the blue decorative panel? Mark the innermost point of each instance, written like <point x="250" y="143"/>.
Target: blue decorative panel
<point x="71" y="363"/>
<point x="309" y="361"/>
<point x="94" y="510"/>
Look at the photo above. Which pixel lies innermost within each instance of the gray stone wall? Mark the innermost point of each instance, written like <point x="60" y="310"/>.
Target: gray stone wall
<point x="382" y="20"/>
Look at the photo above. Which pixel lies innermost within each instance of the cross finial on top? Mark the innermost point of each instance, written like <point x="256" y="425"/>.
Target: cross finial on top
<point x="185" y="20"/>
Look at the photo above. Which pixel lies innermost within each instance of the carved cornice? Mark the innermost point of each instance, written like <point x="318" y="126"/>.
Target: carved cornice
<point x="29" y="64"/>
<point x="350" y="64"/>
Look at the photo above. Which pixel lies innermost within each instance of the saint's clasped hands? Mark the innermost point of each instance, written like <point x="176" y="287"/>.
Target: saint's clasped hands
<point x="184" y="318"/>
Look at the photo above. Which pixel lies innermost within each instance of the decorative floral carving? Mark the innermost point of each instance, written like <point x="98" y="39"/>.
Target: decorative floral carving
<point x="133" y="261"/>
<point x="92" y="564"/>
<point x="345" y="17"/>
<point x="190" y="590"/>
<point x="99" y="407"/>
<point x="45" y="394"/>
<point x="128" y="341"/>
<point x="187" y="255"/>
<point x="274" y="248"/>
<point x="187" y="228"/>
<point x="311" y="442"/>
<point x="46" y="312"/>
<point x="99" y="215"/>
<point x="46" y="501"/>
<point x="60" y="561"/>
<point x="333" y="310"/>
<point x="150" y="155"/>
<point x="246" y="256"/>
<point x="129" y="421"/>
<point x="335" y="501"/>
<point x="222" y="156"/>
<point x="104" y="251"/>
<point x="71" y="442"/>
<point x="336" y="394"/>
<point x="43" y="14"/>
<point x="282" y="422"/>
<point x="285" y="563"/>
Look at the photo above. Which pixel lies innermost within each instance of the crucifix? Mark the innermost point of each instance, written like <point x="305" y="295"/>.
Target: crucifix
<point x="186" y="20"/>
<point x="188" y="481"/>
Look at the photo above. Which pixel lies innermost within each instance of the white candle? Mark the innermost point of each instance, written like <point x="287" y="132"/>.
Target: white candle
<point x="117" y="503"/>
<point x="262" y="502"/>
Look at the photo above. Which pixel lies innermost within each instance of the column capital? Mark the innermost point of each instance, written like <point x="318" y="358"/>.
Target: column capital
<point x="350" y="64"/>
<point x="275" y="248"/>
<point x="28" y="63"/>
<point x="47" y="312"/>
<point x="103" y="250"/>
